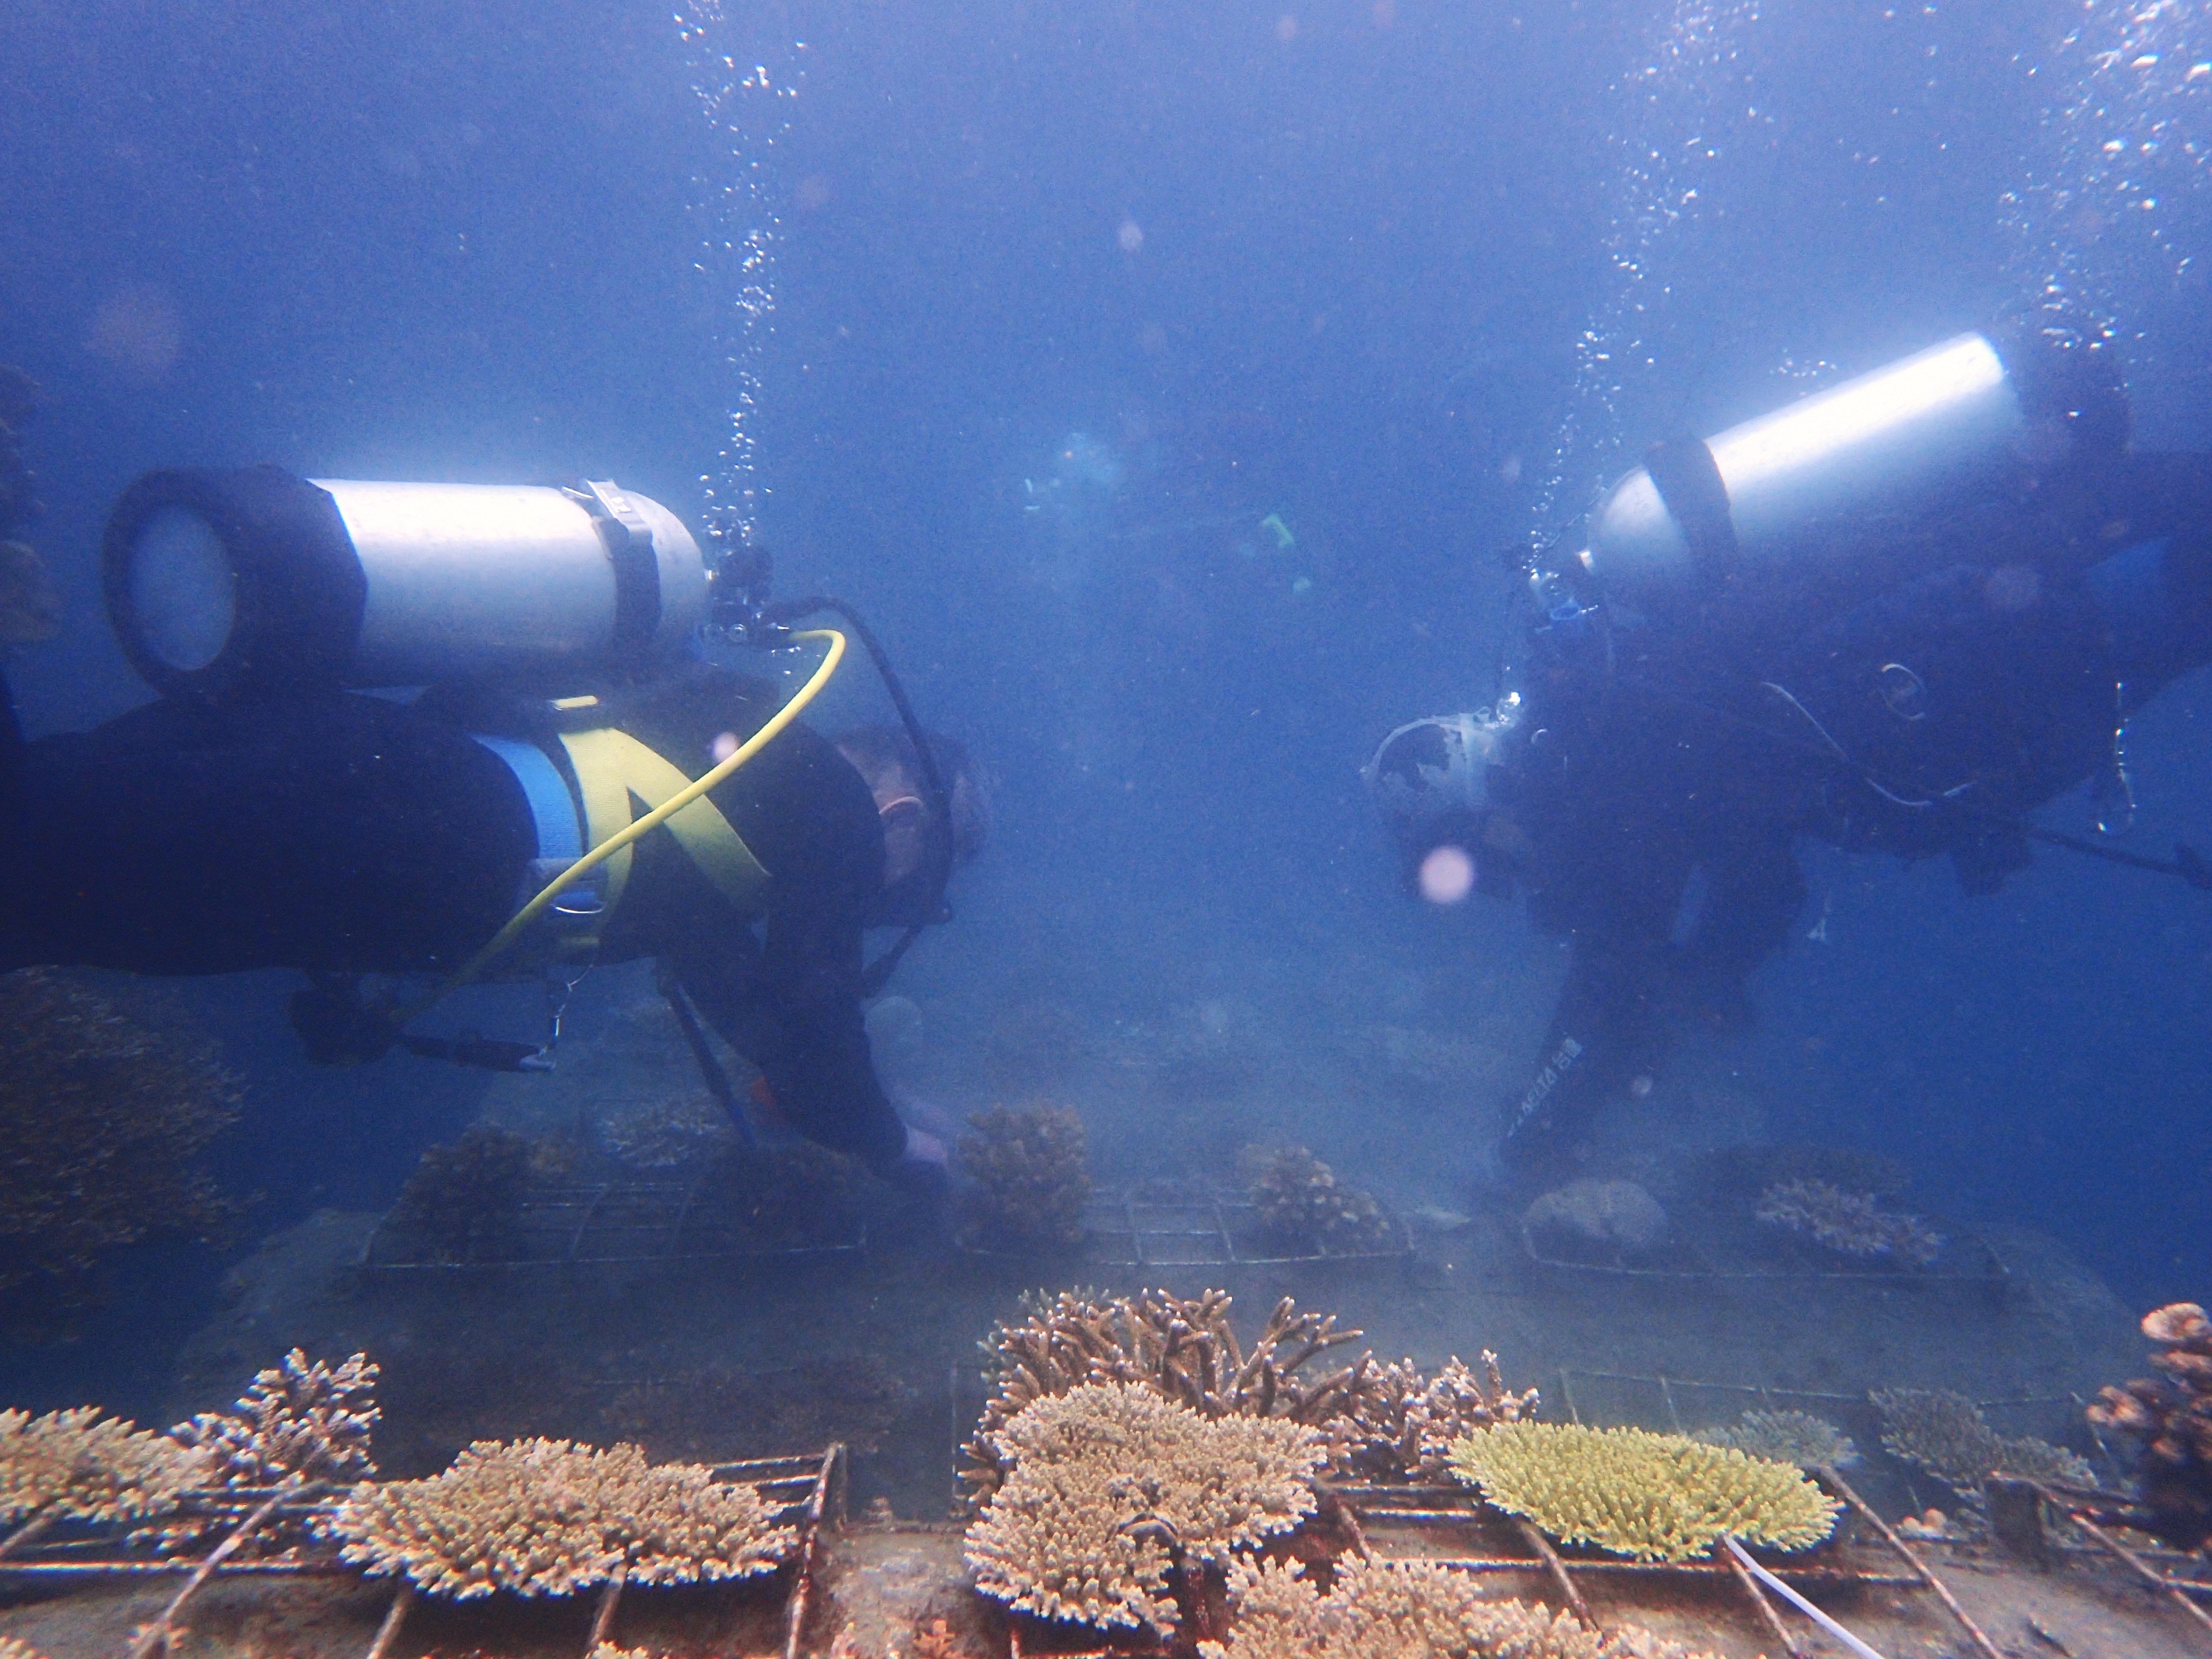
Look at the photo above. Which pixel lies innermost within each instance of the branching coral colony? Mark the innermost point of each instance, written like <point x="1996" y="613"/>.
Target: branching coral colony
<point x="1405" y="1610"/>
<point x="2169" y="1419"/>
<point x="1651" y="1496"/>
<point x="1946" y="1434"/>
<point x="535" y="1518"/>
<point x="1113" y="1489"/>
<point x="1848" y="1224"/>
<point x="1032" y="1173"/>
<point x="102" y="1122"/>
<point x="1135" y="1460"/>
<point x="1302" y="1205"/>
<point x="1385" y="1421"/>
<point x="549" y="1517"/>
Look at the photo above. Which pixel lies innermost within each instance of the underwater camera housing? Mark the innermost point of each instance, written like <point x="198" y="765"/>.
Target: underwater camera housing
<point x="225" y="583"/>
<point x="1742" y="509"/>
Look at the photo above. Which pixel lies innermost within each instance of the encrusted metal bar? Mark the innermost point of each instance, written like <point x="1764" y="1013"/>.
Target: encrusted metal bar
<point x="394" y="1615"/>
<point x="161" y="1634"/>
<point x="2141" y="1568"/>
<point x="1812" y="1577"/>
<point x="1921" y="1570"/>
<point x="165" y="1569"/>
<point x="591" y="1211"/>
<point x="1557" y="1569"/>
<point x="1767" y="1615"/>
<point x="29" y="1530"/>
<point x="809" y="1535"/>
<point x="603" y="1616"/>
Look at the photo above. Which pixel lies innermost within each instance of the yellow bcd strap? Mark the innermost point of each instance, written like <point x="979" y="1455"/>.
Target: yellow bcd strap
<point x="612" y="766"/>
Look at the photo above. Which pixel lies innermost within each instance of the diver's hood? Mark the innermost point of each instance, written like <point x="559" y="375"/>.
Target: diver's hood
<point x="1434" y="772"/>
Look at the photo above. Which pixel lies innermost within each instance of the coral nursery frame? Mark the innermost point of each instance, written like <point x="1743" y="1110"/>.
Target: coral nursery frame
<point x="811" y="1487"/>
<point x="644" y="1223"/>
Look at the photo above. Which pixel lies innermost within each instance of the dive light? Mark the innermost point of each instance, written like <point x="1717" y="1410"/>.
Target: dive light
<point x="223" y="582"/>
<point x="1979" y="407"/>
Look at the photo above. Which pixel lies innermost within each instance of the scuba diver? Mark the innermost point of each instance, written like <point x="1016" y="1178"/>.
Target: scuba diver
<point x="575" y="786"/>
<point x="1898" y="617"/>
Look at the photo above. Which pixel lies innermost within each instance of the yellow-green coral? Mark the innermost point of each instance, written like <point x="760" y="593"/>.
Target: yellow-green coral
<point x="89" y="1468"/>
<point x="548" y="1517"/>
<point x="1654" y="1497"/>
<point x="1112" y="1487"/>
<point x="1404" y="1610"/>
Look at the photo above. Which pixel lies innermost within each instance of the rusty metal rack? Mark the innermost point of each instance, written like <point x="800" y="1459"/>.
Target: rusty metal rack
<point x="1991" y="1274"/>
<point x="647" y="1223"/>
<point x="1201" y="1230"/>
<point x="808" y="1489"/>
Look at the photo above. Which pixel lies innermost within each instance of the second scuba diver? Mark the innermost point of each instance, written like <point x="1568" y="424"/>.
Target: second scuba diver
<point x="1898" y="617"/>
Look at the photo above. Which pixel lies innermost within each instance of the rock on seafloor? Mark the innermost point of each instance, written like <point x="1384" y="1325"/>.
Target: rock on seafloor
<point x="1598" y="1221"/>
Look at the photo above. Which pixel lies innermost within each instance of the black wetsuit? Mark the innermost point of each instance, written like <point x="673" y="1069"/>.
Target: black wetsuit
<point x="1662" y="792"/>
<point x="350" y="833"/>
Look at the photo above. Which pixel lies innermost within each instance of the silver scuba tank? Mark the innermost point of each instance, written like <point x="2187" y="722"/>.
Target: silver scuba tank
<point x="222" y="582"/>
<point x="1699" y="515"/>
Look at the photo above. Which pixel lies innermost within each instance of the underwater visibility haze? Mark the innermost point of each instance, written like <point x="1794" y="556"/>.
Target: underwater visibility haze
<point x="1769" y="949"/>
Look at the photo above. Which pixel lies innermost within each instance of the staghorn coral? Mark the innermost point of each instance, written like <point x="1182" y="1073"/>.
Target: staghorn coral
<point x="550" y="1517"/>
<point x="1030" y="1166"/>
<point x="1113" y="1488"/>
<point x="2169" y="1419"/>
<point x="102" y="1122"/>
<point x="1849" y="1223"/>
<point x="1302" y="1205"/>
<point x="1183" y="1348"/>
<point x="301" y="1422"/>
<point x="1381" y="1609"/>
<point x="299" y="1419"/>
<point x="1403" y="1425"/>
<point x="1946" y="1434"/>
<point x="84" y="1466"/>
<point x="1654" y="1497"/>
<point x="464" y="1202"/>
<point x="1785" y="1436"/>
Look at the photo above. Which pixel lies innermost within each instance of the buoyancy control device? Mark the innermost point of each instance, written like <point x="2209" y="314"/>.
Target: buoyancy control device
<point x="1702" y="518"/>
<point x="227" y="584"/>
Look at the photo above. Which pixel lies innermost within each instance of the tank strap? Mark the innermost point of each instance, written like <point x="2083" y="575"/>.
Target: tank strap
<point x="552" y="808"/>
<point x="1689" y="482"/>
<point x="611" y="768"/>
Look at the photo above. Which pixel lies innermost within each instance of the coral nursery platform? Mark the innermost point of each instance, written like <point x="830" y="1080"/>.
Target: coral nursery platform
<point x="886" y="1587"/>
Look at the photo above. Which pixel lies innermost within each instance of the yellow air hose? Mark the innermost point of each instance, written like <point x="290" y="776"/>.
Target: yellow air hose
<point x="504" y="940"/>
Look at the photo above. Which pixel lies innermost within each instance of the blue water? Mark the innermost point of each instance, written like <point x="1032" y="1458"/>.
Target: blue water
<point x="1058" y="303"/>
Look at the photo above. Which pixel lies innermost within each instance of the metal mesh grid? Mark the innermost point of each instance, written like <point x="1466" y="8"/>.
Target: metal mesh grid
<point x="1203" y="1230"/>
<point x="1979" y="1268"/>
<point x="650" y="1223"/>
